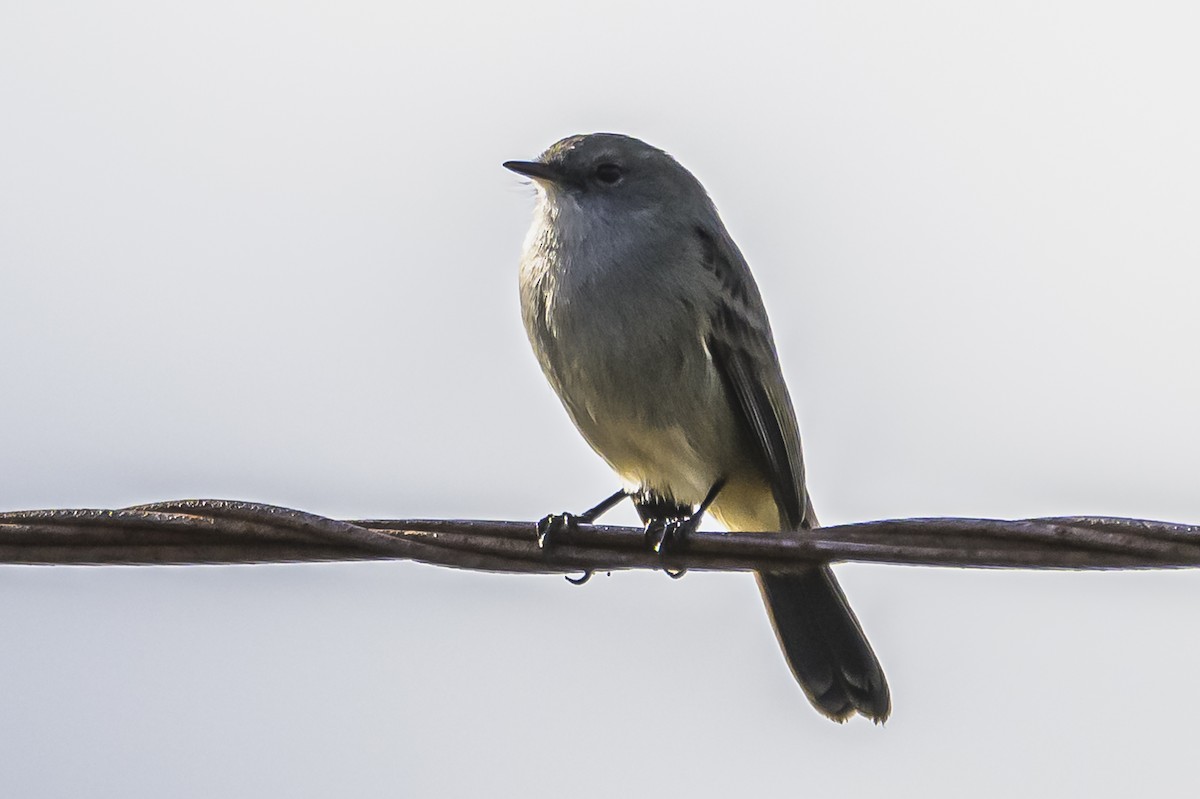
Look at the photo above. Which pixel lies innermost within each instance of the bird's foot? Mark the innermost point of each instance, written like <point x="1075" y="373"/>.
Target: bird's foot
<point x="557" y="528"/>
<point x="664" y="535"/>
<point x="667" y="536"/>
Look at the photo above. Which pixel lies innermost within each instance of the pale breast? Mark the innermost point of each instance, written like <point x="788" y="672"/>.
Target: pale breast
<point x="619" y="332"/>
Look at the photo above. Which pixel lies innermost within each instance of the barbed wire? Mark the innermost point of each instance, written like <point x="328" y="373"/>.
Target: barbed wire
<point x="207" y="531"/>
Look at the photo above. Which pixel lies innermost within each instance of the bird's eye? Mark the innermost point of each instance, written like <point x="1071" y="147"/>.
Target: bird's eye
<point x="608" y="173"/>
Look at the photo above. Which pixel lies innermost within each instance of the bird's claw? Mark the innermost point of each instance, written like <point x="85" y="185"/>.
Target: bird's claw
<point x="663" y="535"/>
<point x="656" y="530"/>
<point x="581" y="579"/>
<point x="666" y="536"/>
<point x="557" y="528"/>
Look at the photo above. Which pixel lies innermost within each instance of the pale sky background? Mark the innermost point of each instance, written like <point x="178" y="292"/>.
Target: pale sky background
<point x="266" y="251"/>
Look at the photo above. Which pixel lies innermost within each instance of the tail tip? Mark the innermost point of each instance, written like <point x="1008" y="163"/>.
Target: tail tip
<point x="875" y="708"/>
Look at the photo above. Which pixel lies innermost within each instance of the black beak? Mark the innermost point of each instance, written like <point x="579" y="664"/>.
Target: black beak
<point x="536" y="170"/>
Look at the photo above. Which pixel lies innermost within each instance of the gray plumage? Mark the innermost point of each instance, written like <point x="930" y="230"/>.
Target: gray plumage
<point x="649" y="326"/>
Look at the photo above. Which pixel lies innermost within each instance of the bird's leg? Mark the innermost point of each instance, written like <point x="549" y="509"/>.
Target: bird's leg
<point x="682" y="528"/>
<point x="560" y="525"/>
<point x="592" y="514"/>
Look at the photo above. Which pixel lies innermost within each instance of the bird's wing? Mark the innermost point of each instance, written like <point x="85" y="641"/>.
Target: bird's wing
<point x="743" y="352"/>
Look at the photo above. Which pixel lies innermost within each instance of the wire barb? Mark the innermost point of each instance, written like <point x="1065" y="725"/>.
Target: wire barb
<point x="224" y="531"/>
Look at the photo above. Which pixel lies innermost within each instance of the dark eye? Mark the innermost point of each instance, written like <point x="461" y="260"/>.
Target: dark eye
<point x="608" y="173"/>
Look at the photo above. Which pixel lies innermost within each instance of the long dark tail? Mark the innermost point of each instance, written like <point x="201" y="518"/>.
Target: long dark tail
<point x="824" y="644"/>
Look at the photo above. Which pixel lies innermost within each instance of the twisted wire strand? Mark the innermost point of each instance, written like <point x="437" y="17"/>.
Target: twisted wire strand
<point x="208" y="531"/>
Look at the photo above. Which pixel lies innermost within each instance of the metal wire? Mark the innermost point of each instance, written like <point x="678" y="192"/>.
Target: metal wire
<point x="223" y="531"/>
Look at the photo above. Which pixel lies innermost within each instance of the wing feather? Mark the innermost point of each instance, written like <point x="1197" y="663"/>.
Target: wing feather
<point x="743" y="352"/>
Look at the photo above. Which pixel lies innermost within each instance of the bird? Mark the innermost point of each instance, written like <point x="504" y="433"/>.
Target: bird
<point x="650" y="328"/>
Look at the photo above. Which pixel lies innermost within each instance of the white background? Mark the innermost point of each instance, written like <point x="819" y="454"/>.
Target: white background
<point x="267" y="252"/>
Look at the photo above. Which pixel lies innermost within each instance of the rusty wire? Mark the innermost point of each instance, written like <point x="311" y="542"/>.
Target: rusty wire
<point x="222" y="531"/>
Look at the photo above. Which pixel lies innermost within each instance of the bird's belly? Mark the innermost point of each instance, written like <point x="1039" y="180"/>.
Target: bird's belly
<point x="669" y="431"/>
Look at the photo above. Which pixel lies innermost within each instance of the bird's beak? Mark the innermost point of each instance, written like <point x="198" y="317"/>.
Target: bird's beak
<point x="536" y="170"/>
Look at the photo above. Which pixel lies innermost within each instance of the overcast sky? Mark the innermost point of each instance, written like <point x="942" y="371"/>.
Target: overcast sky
<point x="266" y="251"/>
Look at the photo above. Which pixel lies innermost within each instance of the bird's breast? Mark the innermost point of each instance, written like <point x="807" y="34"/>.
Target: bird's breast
<point x="626" y="355"/>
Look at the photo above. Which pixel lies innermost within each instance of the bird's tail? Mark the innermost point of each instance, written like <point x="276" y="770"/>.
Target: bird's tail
<point x="824" y="644"/>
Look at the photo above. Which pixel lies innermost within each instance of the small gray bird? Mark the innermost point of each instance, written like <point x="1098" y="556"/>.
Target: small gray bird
<point x="649" y="326"/>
